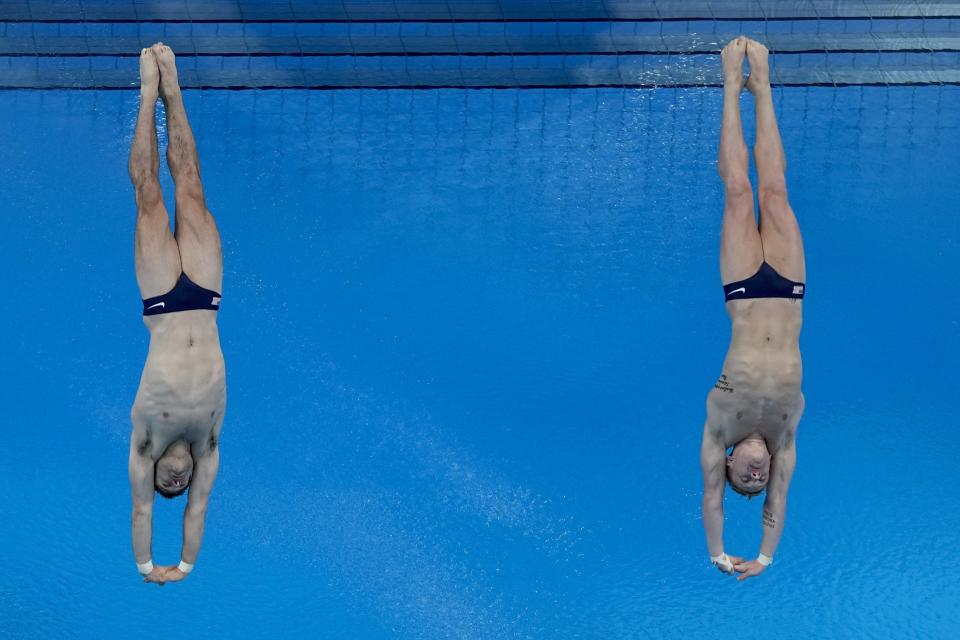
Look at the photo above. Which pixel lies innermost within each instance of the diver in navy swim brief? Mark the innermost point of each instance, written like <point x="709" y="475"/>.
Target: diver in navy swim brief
<point x="755" y="406"/>
<point x="179" y="407"/>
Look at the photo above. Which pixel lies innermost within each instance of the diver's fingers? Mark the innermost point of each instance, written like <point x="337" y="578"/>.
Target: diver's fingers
<point x="747" y="574"/>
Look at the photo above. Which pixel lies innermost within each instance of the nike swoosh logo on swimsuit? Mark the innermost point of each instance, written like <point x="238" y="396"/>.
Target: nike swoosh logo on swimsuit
<point x="159" y="304"/>
<point x="743" y="289"/>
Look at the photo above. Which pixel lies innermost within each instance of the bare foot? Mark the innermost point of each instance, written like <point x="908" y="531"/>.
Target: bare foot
<point x="149" y="75"/>
<point x="759" y="78"/>
<point x="732" y="59"/>
<point x="169" y="83"/>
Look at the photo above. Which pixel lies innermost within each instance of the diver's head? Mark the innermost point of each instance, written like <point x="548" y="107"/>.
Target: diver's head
<point x="748" y="466"/>
<point x="173" y="470"/>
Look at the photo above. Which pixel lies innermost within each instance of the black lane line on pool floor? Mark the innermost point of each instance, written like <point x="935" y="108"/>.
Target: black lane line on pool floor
<point x="504" y="45"/>
<point x="502" y="79"/>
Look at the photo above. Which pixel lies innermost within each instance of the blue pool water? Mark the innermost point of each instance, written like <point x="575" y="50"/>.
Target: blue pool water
<point x="469" y="336"/>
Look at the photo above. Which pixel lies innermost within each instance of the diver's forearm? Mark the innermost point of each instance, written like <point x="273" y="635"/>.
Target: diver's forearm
<point x="142" y="534"/>
<point x="774" y="516"/>
<point x="193" y="521"/>
<point x="713" y="525"/>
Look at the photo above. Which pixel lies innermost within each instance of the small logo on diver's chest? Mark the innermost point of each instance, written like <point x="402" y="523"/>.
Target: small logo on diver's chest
<point x="740" y="290"/>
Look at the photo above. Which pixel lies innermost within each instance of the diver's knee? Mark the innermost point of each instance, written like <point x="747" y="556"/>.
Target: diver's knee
<point x="736" y="186"/>
<point x="772" y="194"/>
<point x="148" y="192"/>
<point x="189" y="190"/>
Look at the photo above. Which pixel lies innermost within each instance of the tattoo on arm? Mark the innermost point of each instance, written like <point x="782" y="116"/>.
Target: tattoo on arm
<point x="768" y="519"/>
<point x="723" y="384"/>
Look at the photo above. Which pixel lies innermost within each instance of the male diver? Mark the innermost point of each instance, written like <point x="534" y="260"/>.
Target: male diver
<point x="756" y="404"/>
<point x="179" y="407"/>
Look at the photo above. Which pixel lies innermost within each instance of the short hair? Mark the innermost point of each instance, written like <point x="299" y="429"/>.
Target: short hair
<point x="170" y="495"/>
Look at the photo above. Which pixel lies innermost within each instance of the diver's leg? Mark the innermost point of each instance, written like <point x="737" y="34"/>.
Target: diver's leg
<point x="196" y="231"/>
<point x="740" y="250"/>
<point x="156" y="258"/>
<point x="782" y="243"/>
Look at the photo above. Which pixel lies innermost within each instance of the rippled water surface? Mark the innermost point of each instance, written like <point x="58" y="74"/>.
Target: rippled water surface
<point x="469" y="335"/>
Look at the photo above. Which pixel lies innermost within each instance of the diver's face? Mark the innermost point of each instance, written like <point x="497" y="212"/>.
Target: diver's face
<point x="174" y="470"/>
<point x="748" y="465"/>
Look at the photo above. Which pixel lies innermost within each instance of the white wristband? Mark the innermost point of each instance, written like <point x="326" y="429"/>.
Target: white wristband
<point x="185" y="567"/>
<point x="145" y="567"/>
<point x="722" y="561"/>
<point x="764" y="560"/>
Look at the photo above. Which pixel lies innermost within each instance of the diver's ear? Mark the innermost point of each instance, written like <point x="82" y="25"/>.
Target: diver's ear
<point x="729" y="460"/>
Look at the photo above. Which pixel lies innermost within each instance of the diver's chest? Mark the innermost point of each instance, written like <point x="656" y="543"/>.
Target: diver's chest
<point x="756" y="408"/>
<point x="185" y="422"/>
<point x="184" y="405"/>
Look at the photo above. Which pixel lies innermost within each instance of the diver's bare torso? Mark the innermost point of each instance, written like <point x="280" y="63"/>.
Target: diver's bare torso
<point x="759" y="389"/>
<point x="182" y="394"/>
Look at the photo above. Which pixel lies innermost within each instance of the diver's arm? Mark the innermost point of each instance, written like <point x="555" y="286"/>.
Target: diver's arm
<point x="713" y="463"/>
<point x="141" y="486"/>
<point x="774" y="507"/>
<point x="204" y="473"/>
